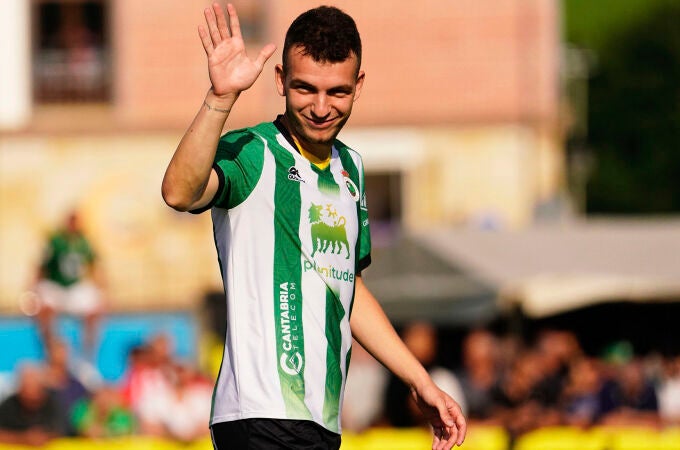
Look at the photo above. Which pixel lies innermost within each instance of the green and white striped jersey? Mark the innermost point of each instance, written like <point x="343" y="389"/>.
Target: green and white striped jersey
<point x="291" y="239"/>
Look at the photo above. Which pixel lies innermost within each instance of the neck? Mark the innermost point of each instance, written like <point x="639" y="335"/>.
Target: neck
<point x="316" y="153"/>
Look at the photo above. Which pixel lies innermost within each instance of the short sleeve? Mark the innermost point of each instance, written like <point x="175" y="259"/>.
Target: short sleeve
<point x="238" y="164"/>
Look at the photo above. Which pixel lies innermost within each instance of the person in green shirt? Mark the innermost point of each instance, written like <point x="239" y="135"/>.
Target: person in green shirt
<point x="68" y="281"/>
<point x="103" y="416"/>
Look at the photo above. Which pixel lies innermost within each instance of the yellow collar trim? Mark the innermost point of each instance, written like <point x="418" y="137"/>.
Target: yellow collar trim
<point x="318" y="162"/>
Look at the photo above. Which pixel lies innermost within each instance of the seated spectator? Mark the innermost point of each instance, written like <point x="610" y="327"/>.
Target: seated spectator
<point x="31" y="416"/>
<point x="60" y="380"/>
<point x="634" y="397"/>
<point x="582" y="396"/>
<point x="103" y="416"/>
<point x="146" y="385"/>
<point x="400" y="409"/>
<point x="668" y="392"/>
<point x="519" y="405"/>
<point x="479" y="376"/>
<point x="556" y="349"/>
<point x="181" y="411"/>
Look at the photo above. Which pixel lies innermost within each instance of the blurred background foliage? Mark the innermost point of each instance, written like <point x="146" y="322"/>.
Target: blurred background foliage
<point x="633" y="106"/>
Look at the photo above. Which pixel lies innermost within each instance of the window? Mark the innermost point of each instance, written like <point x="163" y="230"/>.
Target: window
<point x="71" y="61"/>
<point x="383" y="191"/>
<point x="251" y="15"/>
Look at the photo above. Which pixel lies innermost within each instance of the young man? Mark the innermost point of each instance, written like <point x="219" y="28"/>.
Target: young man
<point x="291" y="230"/>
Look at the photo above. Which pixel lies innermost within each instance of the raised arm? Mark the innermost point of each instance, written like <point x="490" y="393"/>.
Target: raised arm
<point x="373" y="330"/>
<point x="189" y="181"/>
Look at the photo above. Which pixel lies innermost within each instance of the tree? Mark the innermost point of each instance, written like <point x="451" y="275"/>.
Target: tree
<point x="634" y="117"/>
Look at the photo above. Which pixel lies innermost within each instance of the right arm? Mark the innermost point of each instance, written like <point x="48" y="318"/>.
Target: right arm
<point x="190" y="182"/>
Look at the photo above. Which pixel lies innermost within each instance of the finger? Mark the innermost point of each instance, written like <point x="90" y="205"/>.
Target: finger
<point x="234" y="24"/>
<point x="436" y="439"/>
<point x="212" y="26"/>
<point x="266" y="53"/>
<point x="449" y="438"/>
<point x="221" y="21"/>
<point x="205" y="40"/>
<point x="461" y="424"/>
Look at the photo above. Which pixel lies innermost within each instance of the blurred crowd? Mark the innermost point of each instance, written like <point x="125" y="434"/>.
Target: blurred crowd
<point x="501" y="380"/>
<point x="157" y="396"/>
<point x="523" y="385"/>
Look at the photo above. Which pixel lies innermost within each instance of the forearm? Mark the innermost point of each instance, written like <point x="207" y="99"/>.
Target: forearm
<point x="373" y="330"/>
<point x="188" y="174"/>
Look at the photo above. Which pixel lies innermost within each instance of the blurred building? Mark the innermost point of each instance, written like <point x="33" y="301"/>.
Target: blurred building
<point x="457" y="123"/>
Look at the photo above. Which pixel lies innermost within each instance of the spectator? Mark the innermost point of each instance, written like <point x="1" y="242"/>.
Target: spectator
<point x="556" y="349"/>
<point x="400" y="410"/>
<point x="68" y="281"/>
<point x="146" y="385"/>
<point x="60" y="380"/>
<point x="187" y="410"/>
<point x="103" y="416"/>
<point x="582" y="396"/>
<point x="634" y="397"/>
<point x="31" y="416"/>
<point x="519" y="404"/>
<point x="668" y="391"/>
<point x="480" y="373"/>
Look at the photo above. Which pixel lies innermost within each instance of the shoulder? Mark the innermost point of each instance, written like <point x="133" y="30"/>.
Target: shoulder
<point x="347" y="154"/>
<point x="250" y="139"/>
<point x="343" y="148"/>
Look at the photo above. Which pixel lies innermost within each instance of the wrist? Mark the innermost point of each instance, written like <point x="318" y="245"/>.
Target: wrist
<point x="222" y="101"/>
<point x="419" y="381"/>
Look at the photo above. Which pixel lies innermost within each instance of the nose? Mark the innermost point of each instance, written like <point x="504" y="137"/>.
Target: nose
<point x="320" y="107"/>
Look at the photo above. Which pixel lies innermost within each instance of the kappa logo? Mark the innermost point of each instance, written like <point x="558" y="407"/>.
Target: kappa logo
<point x="294" y="174"/>
<point x="328" y="230"/>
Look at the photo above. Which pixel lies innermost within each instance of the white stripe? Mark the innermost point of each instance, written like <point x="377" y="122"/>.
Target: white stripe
<point x="251" y="327"/>
<point x="313" y="311"/>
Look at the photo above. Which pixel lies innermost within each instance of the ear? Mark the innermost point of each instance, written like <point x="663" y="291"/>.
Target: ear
<point x="359" y="85"/>
<point x="280" y="78"/>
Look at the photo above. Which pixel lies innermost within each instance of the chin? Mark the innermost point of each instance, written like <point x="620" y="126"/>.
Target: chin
<point x="327" y="137"/>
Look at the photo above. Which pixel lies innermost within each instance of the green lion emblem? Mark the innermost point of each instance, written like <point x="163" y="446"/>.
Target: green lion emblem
<point x="328" y="230"/>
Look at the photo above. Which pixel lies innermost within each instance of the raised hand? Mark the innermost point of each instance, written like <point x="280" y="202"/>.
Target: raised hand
<point x="443" y="414"/>
<point x="231" y="70"/>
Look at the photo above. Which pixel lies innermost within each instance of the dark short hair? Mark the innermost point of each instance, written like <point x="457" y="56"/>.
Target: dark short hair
<point x="326" y="33"/>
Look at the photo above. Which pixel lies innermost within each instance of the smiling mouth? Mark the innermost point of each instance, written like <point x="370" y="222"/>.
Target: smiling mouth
<point x="320" y="123"/>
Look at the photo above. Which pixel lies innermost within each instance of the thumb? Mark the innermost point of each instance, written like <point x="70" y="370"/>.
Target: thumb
<point x="266" y="53"/>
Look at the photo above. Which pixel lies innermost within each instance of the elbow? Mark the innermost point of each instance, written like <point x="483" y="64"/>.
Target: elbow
<point x="174" y="199"/>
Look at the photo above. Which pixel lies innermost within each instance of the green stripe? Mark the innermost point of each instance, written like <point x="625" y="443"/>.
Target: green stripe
<point x="290" y="343"/>
<point x="363" y="238"/>
<point x="326" y="182"/>
<point x="331" y="403"/>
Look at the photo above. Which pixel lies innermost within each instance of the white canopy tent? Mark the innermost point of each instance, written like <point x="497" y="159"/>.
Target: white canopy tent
<point x="547" y="270"/>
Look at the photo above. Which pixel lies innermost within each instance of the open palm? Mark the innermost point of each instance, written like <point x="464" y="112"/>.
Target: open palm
<point x="229" y="67"/>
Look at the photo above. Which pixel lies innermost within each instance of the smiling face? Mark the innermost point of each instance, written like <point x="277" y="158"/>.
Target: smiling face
<point x="319" y="97"/>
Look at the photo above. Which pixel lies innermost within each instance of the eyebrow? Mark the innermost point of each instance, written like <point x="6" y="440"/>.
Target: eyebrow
<point x="297" y="83"/>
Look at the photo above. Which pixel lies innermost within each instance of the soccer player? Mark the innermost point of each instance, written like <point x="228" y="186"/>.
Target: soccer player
<point x="292" y="236"/>
<point x="70" y="281"/>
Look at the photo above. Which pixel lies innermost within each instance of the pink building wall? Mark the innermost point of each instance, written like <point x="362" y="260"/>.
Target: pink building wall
<point x="434" y="62"/>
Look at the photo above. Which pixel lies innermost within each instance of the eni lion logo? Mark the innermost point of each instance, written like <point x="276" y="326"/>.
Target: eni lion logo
<point x="328" y="230"/>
